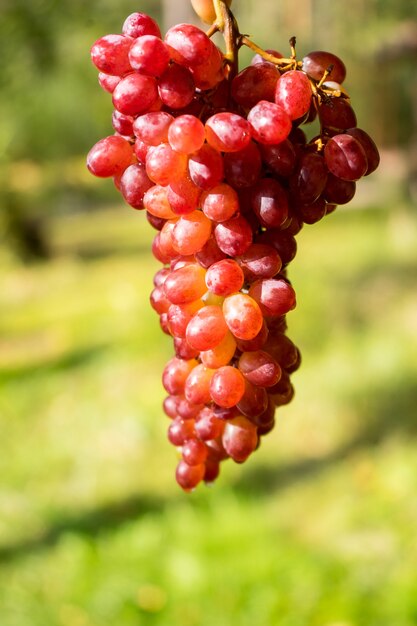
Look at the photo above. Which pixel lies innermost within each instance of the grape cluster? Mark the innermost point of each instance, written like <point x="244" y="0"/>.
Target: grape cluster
<point x="219" y="162"/>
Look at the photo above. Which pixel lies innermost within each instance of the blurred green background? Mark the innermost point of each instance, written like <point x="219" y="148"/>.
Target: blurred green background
<point x="318" y="527"/>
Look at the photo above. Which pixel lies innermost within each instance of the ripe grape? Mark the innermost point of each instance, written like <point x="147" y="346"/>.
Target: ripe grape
<point x="293" y="93"/>
<point x="317" y="62"/>
<point x="110" y="54"/>
<point x="109" y="156"/>
<point x="270" y="123"/>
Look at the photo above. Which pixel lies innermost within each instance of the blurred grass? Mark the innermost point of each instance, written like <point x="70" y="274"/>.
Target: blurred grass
<point x="318" y="528"/>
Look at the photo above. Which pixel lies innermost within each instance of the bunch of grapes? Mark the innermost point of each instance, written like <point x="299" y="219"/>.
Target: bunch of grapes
<point x="226" y="175"/>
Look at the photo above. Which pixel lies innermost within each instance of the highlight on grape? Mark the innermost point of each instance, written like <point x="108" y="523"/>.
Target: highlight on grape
<point x="219" y="161"/>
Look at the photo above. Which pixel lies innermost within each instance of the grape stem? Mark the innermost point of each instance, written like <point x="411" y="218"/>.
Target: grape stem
<point x="226" y="24"/>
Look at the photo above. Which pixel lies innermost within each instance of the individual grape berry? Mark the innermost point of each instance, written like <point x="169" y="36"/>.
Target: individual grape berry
<point x="367" y="143"/>
<point x="139" y="24"/>
<point x="185" y="284"/>
<point x="206" y="167"/>
<point x="175" y="374"/>
<point x="194" y="452"/>
<point x="155" y="201"/>
<point x="270" y="123"/>
<point x="227" y="386"/>
<point x="345" y="157"/>
<point x="309" y="178"/>
<point x="228" y="132"/>
<point x="109" y="157"/>
<point x="186" y="134"/>
<point x="317" y="62"/>
<point x="134" y="183"/>
<point x="176" y="87"/>
<point x="243" y="315"/>
<point x="338" y="191"/>
<point x="220" y="203"/>
<point x="183" y="196"/>
<point x="259" y="59"/>
<point x="110" y="54"/>
<point x="164" y="165"/>
<point x="188" y="476"/>
<point x="293" y="93"/>
<point x="191" y="232"/>
<point x="152" y="128"/>
<point x="207" y="328"/>
<point x="255" y="83"/>
<point x="233" y="236"/>
<point x="180" y="431"/>
<point x="135" y="94"/>
<point x="239" y="438"/>
<point x="149" y="55"/>
<point x="259" y="261"/>
<point x="210" y="253"/>
<point x="179" y="315"/>
<point x="254" y="400"/>
<point x="209" y="74"/>
<point x="259" y="368"/>
<point x="224" y="277"/>
<point x="208" y="426"/>
<point x="197" y="385"/>
<point x="279" y="158"/>
<point x="188" y="44"/>
<point x="270" y="202"/>
<point x="123" y="124"/>
<point x="336" y="115"/>
<point x="275" y="296"/>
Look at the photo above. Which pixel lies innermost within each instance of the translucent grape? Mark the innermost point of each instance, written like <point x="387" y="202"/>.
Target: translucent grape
<point x="242" y="315"/>
<point x="228" y="132"/>
<point x="224" y="277"/>
<point x="191" y="232"/>
<point x="149" y="55"/>
<point x="110" y="54"/>
<point x="188" y="476"/>
<point x="135" y="94"/>
<point x="134" y="183"/>
<point x="239" y="438"/>
<point x="293" y="93"/>
<point x="152" y="128"/>
<point x="233" y="236"/>
<point x="270" y="123"/>
<point x="186" y="134"/>
<point x="220" y="203"/>
<point x="185" y="284"/>
<point x="227" y="386"/>
<point x="109" y="156"/>
<point x="207" y="328"/>
<point x="139" y="24"/>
